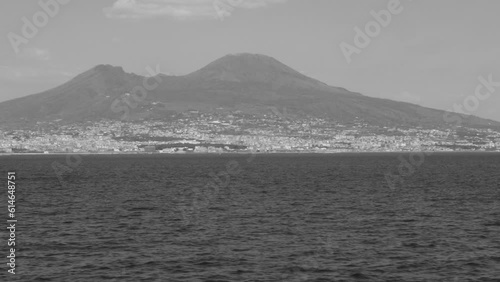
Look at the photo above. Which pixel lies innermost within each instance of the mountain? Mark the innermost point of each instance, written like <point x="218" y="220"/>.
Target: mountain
<point x="250" y="83"/>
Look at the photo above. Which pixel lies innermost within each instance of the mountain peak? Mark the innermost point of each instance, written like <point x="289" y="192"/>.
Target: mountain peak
<point x="107" y="68"/>
<point x="101" y="70"/>
<point x="249" y="60"/>
<point x="248" y="56"/>
<point x="244" y="81"/>
<point x="246" y="67"/>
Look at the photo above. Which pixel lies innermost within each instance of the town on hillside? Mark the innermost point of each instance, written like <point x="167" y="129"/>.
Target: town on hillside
<point x="196" y="132"/>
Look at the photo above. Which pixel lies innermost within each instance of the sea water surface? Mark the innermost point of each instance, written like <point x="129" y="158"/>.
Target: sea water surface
<point x="255" y="218"/>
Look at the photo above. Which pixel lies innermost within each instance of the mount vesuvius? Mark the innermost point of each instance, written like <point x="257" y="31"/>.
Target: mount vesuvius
<point x="250" y="83"/>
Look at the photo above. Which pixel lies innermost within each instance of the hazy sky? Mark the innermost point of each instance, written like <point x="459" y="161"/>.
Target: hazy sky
<point x="430" y="52"/>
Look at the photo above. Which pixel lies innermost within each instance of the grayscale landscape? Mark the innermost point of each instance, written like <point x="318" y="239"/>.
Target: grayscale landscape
<point x="250" y="140"/>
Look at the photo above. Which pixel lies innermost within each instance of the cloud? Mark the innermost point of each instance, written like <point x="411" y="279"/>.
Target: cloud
<point x="35" y="53"/>
<point x="181" y="9"/>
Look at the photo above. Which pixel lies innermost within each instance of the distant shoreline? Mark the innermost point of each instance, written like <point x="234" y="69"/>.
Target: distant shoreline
<point x="244" y="153"/>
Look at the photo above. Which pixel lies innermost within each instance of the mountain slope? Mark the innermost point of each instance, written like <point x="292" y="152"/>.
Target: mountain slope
<point x="85" y="96"/>
<point x="250" y="83"/>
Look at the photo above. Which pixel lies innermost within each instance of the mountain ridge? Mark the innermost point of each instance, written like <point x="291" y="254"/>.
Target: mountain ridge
<point x="246" y="82"/>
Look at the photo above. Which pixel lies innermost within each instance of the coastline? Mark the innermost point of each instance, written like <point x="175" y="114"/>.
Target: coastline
<point x="246" y="153"/>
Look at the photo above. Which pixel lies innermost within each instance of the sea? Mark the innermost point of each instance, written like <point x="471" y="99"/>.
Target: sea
<point x="255" y="217"/>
